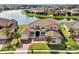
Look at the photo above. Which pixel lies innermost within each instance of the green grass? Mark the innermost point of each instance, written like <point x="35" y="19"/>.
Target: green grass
<point x="13" y="42"/>
<point x="44" y="46"/>
<point x="69" y="41"/>
<point x="21" y="27"/>
<point x="39" y="46"/>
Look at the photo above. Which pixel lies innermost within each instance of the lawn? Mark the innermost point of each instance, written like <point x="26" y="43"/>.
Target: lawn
<point x="39" y="46"/>
<point x="14" y="42"/>
<point x="44" y="46"/>
<point x="21" y="28"/>
<point x="70" y="42"/>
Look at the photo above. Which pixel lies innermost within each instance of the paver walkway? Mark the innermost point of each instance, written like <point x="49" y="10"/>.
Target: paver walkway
<point x="24" y="47"/>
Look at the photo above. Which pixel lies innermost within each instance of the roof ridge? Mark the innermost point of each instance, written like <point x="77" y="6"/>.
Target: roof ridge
<point x="74" y="23"/>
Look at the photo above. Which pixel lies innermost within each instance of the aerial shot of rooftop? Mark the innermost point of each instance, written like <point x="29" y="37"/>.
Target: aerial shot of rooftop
<point x="39" y="29"/>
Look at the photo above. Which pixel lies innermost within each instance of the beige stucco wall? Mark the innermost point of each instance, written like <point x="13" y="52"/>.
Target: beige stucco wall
<point x="57" y="41"/>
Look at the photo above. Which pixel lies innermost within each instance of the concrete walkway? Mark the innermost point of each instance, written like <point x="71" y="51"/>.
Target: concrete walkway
<point x="25" y="51"/>
<point x="24" y="47"/>
<point x="39" y="42"/>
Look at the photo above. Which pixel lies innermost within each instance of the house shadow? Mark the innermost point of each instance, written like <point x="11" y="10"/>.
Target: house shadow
<point x="3" y="41"/>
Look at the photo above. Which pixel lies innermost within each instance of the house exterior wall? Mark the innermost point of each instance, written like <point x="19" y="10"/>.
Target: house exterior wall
<point x="42" y="26"/>
<point x="24" y="37"/>
<point x="55" y="41"/>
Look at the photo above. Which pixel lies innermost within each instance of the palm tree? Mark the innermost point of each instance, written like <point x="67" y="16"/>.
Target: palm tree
<point x="17" y="35"/>
<point x="8" y="47"/>
<point x="7" y="32"/>
<point x="72" y="32"/>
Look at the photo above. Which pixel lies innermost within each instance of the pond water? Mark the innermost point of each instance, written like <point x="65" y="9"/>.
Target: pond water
<point x="64" y="20"/>
<point x="18" y="16"/>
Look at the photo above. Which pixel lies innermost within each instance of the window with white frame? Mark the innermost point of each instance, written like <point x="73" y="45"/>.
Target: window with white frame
<point x="53" y="41"/>
<point x="43" y="33"/>
<point x="31" y="33"/>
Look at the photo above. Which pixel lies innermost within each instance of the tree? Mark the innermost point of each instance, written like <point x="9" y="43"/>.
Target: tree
<point x="8" y="47"/>
<point x="72" y="32"/>
<point x="48" y="38"/>
<point x="16" y="35"/>
<point x="7" y="32"/>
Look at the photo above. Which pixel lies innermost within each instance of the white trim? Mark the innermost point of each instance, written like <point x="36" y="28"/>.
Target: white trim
<point x="35" y="32"/>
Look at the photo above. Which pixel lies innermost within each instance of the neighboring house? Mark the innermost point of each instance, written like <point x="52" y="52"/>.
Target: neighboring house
<point x="74" y="12"/>
<point x="37" y="31"/>
<point x="59" y="13"/>
<point x="6" y="23"/>
<point x="74" y="26"/>
<point x="37" y="11"/>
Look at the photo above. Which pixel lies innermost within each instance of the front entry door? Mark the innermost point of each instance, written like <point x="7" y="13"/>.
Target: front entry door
<point x="37" y="33"/>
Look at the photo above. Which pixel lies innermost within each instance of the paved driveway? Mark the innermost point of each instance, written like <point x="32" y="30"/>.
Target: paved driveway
<point x="24" y="46"/>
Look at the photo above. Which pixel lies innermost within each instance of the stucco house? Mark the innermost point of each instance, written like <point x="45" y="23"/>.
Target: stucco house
<point x="74" y="12"/>
<point x="73" y="26"/>
<point x="41" y="28"/>
<point x="6" y="23"/>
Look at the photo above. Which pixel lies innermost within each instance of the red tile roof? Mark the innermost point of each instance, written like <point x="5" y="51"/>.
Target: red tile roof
<point x="43" y="22"/>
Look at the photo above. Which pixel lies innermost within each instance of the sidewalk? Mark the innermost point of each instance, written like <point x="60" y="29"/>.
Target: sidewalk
<point x="25" y="51"/>
<point x="39" y="42"/>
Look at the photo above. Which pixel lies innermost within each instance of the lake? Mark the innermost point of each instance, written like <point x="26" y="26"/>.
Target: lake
<point x="21" y="18"/>
<point x="18" y="16"/>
